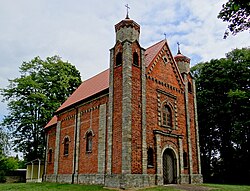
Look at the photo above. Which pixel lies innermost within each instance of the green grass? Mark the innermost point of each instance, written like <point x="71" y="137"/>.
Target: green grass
<point x="48" y="187"/>
<point x="227" y="187"/>
<point x="77" y="187"/>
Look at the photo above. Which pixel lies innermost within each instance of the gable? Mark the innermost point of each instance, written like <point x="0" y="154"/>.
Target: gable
<point x="163" y="67"/>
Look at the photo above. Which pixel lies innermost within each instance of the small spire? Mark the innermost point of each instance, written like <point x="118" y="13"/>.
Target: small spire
<point x="127" y="17"/>
<point x="179" y="51"/>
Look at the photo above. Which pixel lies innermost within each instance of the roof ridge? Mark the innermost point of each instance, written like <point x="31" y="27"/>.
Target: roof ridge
<point x="155" y="44"/>
<point x="95" y="75"/>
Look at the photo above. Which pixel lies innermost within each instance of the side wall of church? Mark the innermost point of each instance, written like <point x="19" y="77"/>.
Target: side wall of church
<point x="65" y="162"/>
<point x="88" y="163"/>
<point x="79" y="163"/>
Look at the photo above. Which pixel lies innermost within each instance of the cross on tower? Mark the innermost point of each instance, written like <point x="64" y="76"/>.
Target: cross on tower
<point x="127" y="17"/>
<point x="179" y="51"/>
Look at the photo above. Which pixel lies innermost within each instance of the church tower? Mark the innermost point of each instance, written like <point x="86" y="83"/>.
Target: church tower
<point x="183" y="63"/>
<point x="127" y="109"/>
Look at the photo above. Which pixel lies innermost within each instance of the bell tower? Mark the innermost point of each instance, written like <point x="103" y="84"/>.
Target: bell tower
<point x="127" y="106"/>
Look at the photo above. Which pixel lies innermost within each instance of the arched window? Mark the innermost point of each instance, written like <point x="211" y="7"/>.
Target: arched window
<point x="50" y="156"/>
<point x="66" y="146"/>
<point x="185" y="159"/>
<point x="166" y="116"/>
<point x="189" y="87"/>
<point x="89" y="137"/>
<point x="118" y="60"/>
<point x="135" y="59"/>
<point x="150" y="157"/>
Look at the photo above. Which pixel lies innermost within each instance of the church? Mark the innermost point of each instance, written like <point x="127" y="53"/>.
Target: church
<point x="132" y="125"/>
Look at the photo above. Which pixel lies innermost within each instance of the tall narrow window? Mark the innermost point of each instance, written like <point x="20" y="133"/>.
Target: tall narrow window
<point x="89" y="142"/>
<point x="135" y="59"/>
<point x="118" y="60"/>
<point x="150" y="157"/>
<point x="50" y="156"/>
<point x="66" y="146"/>
<point x="166" y="116"/>
<point x="185" y="159"/>
<point x="189" y="87"/>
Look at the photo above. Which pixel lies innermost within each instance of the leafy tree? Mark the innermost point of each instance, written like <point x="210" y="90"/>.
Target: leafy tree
<point x="33" y="97"/>
<point x="223" y="98"/>
<point x="7" y="164"/>
<point x="237" y="13"/>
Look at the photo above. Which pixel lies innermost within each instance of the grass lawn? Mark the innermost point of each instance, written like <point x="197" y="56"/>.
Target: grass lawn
<point x="226" y="187"/>
<point x="77" y="187"/>
<point x="48" y="187"/>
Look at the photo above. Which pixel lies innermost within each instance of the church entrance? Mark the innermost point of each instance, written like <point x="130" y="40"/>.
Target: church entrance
<point x="169" y="167"/>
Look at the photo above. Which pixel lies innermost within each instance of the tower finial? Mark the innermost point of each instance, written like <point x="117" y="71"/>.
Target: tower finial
<point x="165" y="36"/>
<point x="127" y="17"/>
<point x="179" y="51"/>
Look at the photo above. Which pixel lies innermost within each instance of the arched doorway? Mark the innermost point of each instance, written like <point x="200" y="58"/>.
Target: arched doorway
<point x="169" y="167"/>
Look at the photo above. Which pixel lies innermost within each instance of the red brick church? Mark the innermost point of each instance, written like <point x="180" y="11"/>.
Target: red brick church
<point x="132" y="125"/>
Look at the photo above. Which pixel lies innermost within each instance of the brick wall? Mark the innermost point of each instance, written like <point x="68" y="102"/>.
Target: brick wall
<point x="65" y="163"/>
<point x="136" y="162"/>
<point x="51" y="145"/>
<point x="117" y="116"/>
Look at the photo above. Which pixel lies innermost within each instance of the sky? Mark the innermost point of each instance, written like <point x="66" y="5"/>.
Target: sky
<point x="82" y="32"/>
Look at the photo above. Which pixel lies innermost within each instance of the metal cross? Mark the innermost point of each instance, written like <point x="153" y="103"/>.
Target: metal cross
<point x="179" y="51"/>
<point x="165" y="36"/>
<point x="127" y="17"/>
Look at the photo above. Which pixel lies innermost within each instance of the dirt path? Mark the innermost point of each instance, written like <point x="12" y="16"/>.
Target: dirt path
<point x="189" y="187"/>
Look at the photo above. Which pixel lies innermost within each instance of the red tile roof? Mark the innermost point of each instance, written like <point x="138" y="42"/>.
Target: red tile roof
<point x="88" y="88"/>
<point x="152" y="51"/>
<point x="53" y="121"/>
<point x="100" y="82"/>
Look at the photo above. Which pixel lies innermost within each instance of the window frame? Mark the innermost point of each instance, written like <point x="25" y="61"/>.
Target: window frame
<point x="89" y="142"/>
<point x="150" y="157"/>
<point x="50" y="154"/>
<point x="136" y="60"/>
<point x="166" y="116"/>
<point x="66" y="142"/>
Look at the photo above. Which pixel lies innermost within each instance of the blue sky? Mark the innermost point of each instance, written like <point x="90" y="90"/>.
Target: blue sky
<point x="82" y="32"/>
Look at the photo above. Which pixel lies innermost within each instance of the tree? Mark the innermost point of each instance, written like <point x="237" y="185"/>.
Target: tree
<point x="3" y="141"/>
<point x="237" y="13"/>
<point x="223" y="99"/>
<point x="33" y="97"/>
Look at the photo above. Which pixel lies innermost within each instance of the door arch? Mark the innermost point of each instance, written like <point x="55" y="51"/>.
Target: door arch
<point x="169" y="167"/>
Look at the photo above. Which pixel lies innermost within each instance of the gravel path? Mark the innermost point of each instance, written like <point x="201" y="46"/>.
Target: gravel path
<point x="189" y="187"/>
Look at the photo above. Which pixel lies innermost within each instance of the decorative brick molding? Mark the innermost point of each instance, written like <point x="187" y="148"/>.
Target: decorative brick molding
<point x="170" y="99"/>
<point x="164" y="84"/>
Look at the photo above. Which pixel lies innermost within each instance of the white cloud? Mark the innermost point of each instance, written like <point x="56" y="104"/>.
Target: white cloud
<point x="83" y="32"/>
